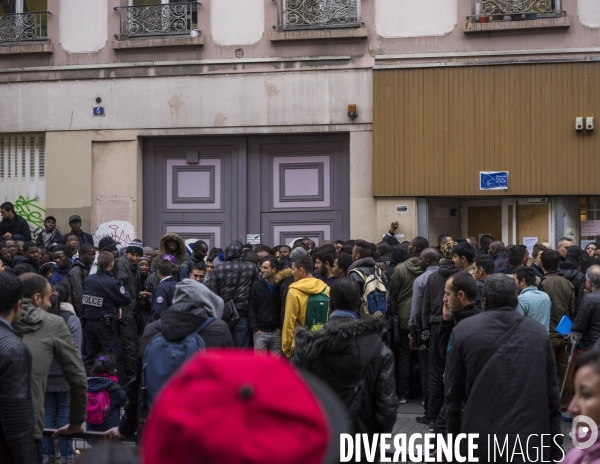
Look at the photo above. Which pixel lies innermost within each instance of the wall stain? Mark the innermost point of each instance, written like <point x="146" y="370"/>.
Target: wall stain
<point x="176" y="102"/>
<point x="220" y="120"/>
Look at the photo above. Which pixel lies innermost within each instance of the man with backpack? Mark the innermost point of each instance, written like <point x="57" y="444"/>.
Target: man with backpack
<point x="402" y="291"/>
<point x="351" y="357"/>
<point x="307" y="303"/>
<point x="372" y="282"/>
<point x="192" y="323"/>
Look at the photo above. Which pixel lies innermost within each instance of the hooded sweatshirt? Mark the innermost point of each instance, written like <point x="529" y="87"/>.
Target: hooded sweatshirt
<point x="60" y="273"/>
<point x="295" y="308"/>
<point x="47" y="337"/>
<point x="402" y="287"/>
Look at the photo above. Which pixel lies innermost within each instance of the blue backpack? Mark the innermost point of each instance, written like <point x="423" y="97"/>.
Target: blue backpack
<point x="162" y="358"/>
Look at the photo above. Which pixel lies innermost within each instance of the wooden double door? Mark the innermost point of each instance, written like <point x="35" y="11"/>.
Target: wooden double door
<point x="220" y="189"/>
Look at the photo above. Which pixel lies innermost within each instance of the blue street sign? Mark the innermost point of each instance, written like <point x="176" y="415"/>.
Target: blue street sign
<point x="493" y="180"/>
<point x="98" y="111"/>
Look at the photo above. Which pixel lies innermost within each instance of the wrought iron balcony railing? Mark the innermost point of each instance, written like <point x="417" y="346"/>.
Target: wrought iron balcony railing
<point x="316" y="14"/>
<point x="21" y="27"/>
<point x="160" y="19"/>
<point x="516" y="9"/>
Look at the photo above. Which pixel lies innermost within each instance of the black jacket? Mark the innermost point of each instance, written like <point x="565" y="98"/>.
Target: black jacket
<point x="175" y="325"/>
<point x="103" y="295"/>
<point x="263" y="312"/>
<point x="45" y="239"/>
<point x="283" y="280"/>
<point x="347" y="354"/>
<point x="433" y="294"/>
<point x="445" y="330"/>
<point x="504" y="397"/>
<point x="367" y="267"/>
<point x="126" y="273"/>
<point x="77" y="275"/>
<point x="480" y="284"/>
<point x="587" y="320"/>
<point x="572" y="273"/>
<point x="18" y="226"/>
<point x="16" y="405"/>
<point x="500" y="264"/>
<point x="83" y="238"/>
<point x="232" y="279"/>
<point x="21" y="265"/>
<point x="538" y="270"/>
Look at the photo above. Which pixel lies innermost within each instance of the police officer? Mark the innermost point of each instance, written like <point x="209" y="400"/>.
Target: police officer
<point x="103" y="298"/>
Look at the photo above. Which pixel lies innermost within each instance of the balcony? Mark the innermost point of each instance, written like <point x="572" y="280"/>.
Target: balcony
<point x="320" y="14"/>
<point x="169" y="19"/>
<point x="23" y="27"/>
<point x="515" y="15"/>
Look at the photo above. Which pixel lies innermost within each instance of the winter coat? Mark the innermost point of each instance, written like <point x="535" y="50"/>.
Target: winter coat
<point x="480" y="284"/>
<point x="176" y="324"/>
<point x="232" y="279"/>
<point x="21" y="265"/>
<point x="263" y="312"/>
<point x="56" y="379"/>
<point x="509" y="384"/>
<point x="16" y="405"/>
<point x="295" y="308"/>
<point x="186" y="267"/>
<point x="118" y="398"/>
<point x="18" y="226"/>
<point x="59" y="275"/>
<point x="538" y="270"/>
<point x="179" y="253"/>
<point x="587" y="321"/>
<point x="45" y="239"/>
<point x="433" y="295"/>
<point x="283" y="280"/>
<point x="572" y="273"/>
<point x="126" y="273"/>
<point x="562" y="297"/>
<point x="83" y="238"/>
<point x="500" y="264"/>
<point x="48" y="337"/>
<point x="348" y="353"/>
<point x="79" y="271"/>
<point x="163" y="297"/>
<point x="401" y="287"/>
<point x="417" y="297"/>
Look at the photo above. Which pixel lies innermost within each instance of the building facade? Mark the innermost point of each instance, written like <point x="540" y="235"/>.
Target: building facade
<point x="229" y="119"/>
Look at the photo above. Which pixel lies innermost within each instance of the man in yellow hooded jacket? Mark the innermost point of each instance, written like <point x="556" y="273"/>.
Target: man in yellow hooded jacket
<point x="303" y="287"/>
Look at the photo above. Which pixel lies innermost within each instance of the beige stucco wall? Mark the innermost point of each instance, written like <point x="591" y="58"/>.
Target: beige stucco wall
<point x="445" y="225"/>
<point x="362" y="204"/>
<point x="386" y="214"/>
<point x="69" y="177"/>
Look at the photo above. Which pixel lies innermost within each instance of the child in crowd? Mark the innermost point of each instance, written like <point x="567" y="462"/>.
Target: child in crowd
<point x="105" y="395"/>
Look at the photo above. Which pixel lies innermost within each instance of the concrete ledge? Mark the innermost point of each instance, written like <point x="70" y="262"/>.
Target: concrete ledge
<point x="319" y="34"/>
<point x="22" y="48"/>
<point x="131" y="44"/>
<point x="523" y="25"/>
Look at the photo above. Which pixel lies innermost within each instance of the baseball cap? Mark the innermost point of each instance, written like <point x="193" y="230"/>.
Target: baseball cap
<point x="75" y="217"/>
<point x="274" y="413"/>
<point x="575" y="251"/>
<point x="105" y="241"/>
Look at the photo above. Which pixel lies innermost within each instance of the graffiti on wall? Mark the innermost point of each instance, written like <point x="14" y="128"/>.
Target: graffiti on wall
<point x="120" y="231"/>
<point x="33" y="212"/>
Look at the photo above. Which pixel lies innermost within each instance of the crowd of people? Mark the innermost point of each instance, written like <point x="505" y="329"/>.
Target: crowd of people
<point x="91" y="334"/>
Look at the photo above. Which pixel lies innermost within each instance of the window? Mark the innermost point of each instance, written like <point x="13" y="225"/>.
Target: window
<point x="23" y="20"/>
<point x="315" y="14"/>
<point x="144" y="18"/>
<point x="23" y="175"/>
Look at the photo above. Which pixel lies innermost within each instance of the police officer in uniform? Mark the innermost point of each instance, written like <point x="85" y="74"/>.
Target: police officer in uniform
<point x="103" y="298"/>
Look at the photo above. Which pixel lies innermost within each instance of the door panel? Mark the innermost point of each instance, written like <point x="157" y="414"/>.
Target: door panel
<point x="485" y="220"/>
<point x="191" y="188"/>
<point x="532" y="221"/>
<point x="321" y="226"/>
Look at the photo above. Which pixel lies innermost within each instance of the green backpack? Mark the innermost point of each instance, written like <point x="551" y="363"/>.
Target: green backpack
<point x="317" y="310"/>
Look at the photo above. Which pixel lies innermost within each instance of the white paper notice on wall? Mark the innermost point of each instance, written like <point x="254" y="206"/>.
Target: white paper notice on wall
<point x="253" y="239"/>
<point x="441" y="213"/>
<point x="590" y="228"/>
<point x="401" y="209"/>
<point x="529" y="242"/>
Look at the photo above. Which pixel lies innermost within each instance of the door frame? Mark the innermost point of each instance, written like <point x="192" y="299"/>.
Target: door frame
<point x="505" y="203"/>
